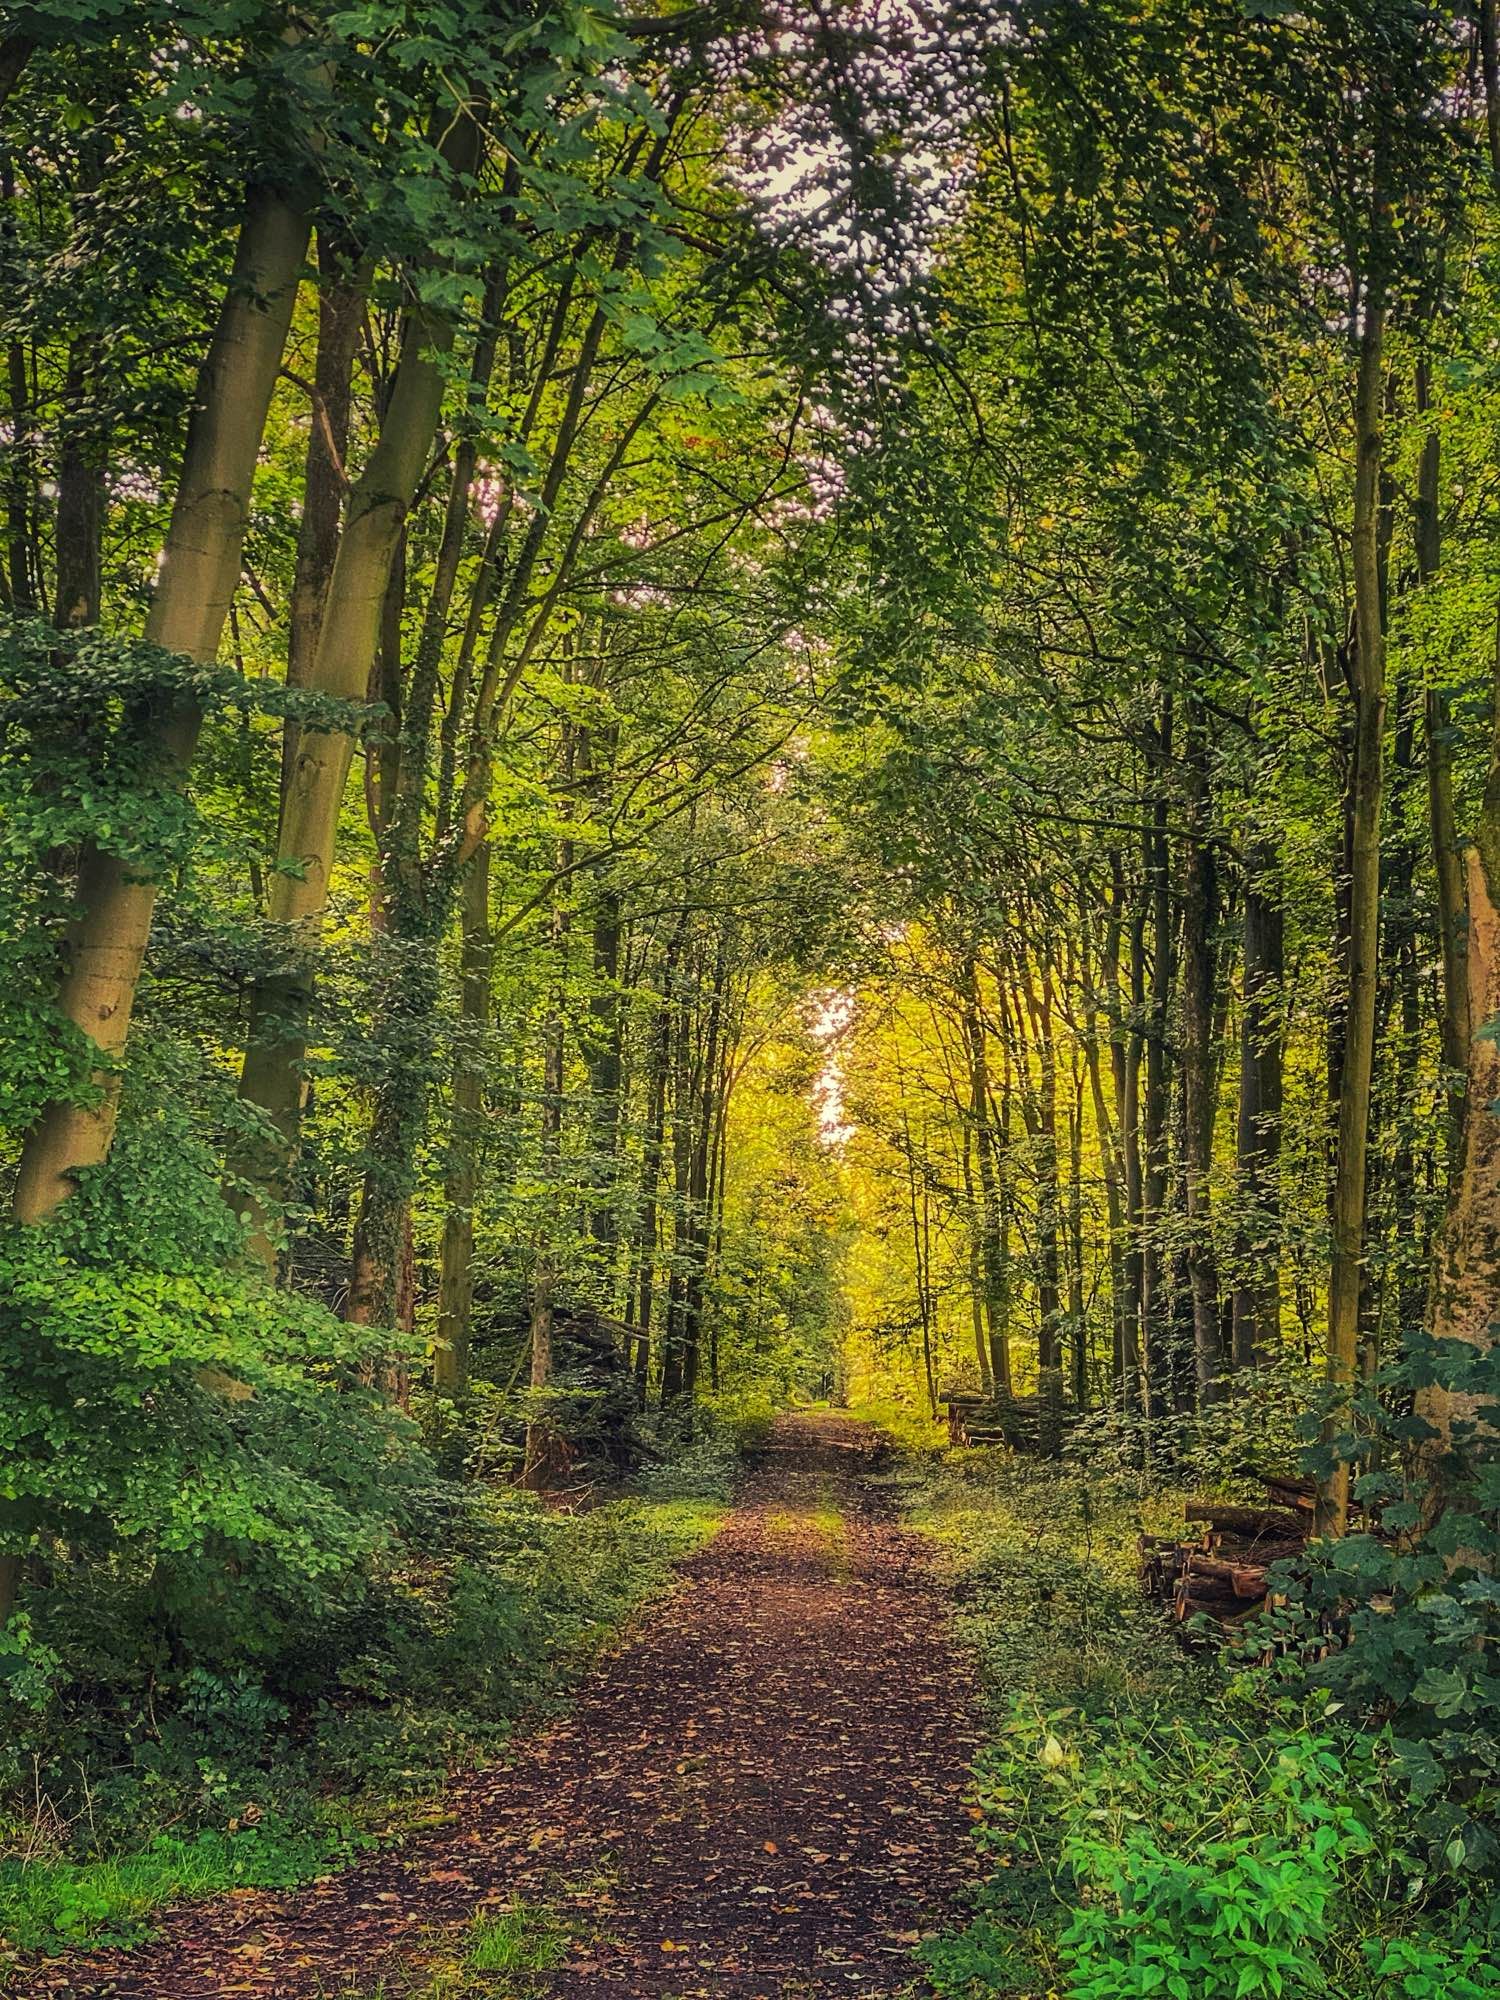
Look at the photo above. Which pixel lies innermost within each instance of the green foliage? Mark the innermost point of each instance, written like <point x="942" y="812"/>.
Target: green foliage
<point x="694" y="1455"/>
<point x="1257" y="1421"/>
<point x="1202" y="1857"/>
<point x="346" y="1719"/>
<point x="1151" y="1827"/>
<point x="1044" y="1570"/>
<point x="1208" y="1868"/>
<point x="1431" y="1968"/>
<point x="1414" y="1610"/>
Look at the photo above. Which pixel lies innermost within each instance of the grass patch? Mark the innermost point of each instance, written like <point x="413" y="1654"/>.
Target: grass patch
<point x="823" y="1526"/>
<point x="908" y="1424"/>
<point x="523" y="1938"/>
<point x="48" y="1905"/>
<point x="499" y="1956"/>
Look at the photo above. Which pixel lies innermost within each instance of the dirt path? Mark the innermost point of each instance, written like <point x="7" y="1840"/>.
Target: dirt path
<point x="759" y="1793"/>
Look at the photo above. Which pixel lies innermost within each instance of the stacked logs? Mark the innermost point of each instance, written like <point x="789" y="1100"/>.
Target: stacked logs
<point x="1035" y="1425"/>
<point x="1221" y="1572"/>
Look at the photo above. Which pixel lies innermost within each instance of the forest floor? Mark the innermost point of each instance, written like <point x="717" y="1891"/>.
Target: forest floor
<point x="759" y="1793"/>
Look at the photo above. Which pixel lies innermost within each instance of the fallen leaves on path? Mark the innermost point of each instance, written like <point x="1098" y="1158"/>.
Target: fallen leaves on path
<point x="758" y="1794"/>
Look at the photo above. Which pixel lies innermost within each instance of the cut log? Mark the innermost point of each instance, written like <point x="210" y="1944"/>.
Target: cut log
<point x="1245" y="1580"/>
<point x="1211" y="1601"/>
<point x="1252" y="1521"/>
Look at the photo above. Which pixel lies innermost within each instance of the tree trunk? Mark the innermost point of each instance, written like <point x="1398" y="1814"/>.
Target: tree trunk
<point x="1125" y="1048"/>
<point x="540" y="1446"/>
<point x="657" y="1068"/>
<point x="1123" y="1358"/>
<point x="919" y="1238"/>
<point x="15" y="53"/>
<point x="996" y="1277"/>
<point x="200" y="572"/>
<point x="1357" y="1068"/>
<point x="1077" y="1314"/>
<point x="1156" y="1099"/>
<point x="705" y="1129"/>
<point x="982" y="1355"/>
<point x="683" y="1101"/>
<point x="1442" y="820"/>
<point x="1040" y="1103"/>
<point x="540" y="1432"/>
<point x="606" y="1052"/>
<point x="346" y="650"/>
<point x="1257" y="1294"/>
<point x="80" y="500"/>
<point x="466" y="1122"/>
<point x="341" y="303"/>
<point x="1199" y="978"/>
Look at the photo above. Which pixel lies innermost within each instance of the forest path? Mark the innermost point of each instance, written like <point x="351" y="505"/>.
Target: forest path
<point x="757" y="1794"/>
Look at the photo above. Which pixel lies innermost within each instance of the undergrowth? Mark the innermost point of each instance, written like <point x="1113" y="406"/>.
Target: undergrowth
<point x="131" y="1789"/>
<point x="1158" y="1826"/>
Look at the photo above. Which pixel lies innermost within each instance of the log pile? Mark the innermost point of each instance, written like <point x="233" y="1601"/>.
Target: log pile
<point x="1221" y="1572"/>
<point x="1035" y="1425"/>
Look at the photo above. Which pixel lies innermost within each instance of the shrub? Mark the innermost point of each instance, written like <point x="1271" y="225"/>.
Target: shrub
<point x="1207" y="1868"/>
<point x="1415" y="1610"/>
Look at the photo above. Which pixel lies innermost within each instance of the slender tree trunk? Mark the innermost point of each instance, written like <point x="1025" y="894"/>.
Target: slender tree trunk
<point x="80" y="499"/>
<point x="996" y="1278"/>
<point x="1038" y="999"/>
<point x="606" y="1054"/>
<point x="705" y="1126"/>
<point x="461" y="1181"/>
<point x="199" y="574"/>
<point x="1199" y="978"/>
<point x="21" y="483"/>
<point x="1125" y="1048"/>
<point x="1357" y="1068"/>
<point x="540" y="1432"/>
<point x="683" y="1099"/>
<point x="658" y="1063"/>
<point x="1257" y="1295"/>
<point x="976" y="1270"/>
<point x="716" y="1194"/>
<point x="1077" y="1315"/>
<point x="1155" y="1106"/>
<point x="1107" y="1138"/>
<point x="919" y="1256"/>
<point x="1442" y="819"/>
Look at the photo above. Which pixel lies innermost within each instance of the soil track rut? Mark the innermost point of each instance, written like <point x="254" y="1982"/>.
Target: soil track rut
<point x="757" y="1794"/>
